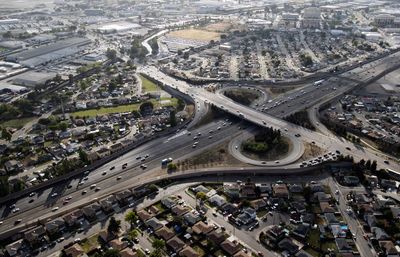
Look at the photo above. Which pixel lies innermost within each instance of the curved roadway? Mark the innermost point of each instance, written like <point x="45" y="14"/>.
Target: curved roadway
<point x="295" y="154"/>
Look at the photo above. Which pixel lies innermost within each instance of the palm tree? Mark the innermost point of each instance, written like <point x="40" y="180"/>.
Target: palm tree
<point x="114" y="226"/>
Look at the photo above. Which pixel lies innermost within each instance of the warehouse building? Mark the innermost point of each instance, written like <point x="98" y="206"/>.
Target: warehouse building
<point x="47" y="53"/>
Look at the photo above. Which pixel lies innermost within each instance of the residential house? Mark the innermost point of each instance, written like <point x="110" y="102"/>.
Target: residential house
<point x="34" y="236"/>
<point x="175" y="244"/>
<point x="128" y="252"/>
<point x="92" y="211"/>
<point x="342" y="245"/>
<point x="191" y="218"/>
<point x="122" y="197"/>
<point x="258" y="204"/>
<point x="389" y="248"/>
<point x="216" y="237"/>
<point x="200" y="228"/>
<point x="168" y="202"/>
<point x="248" y="191"/>
<point x="14" y="248"/>
<point x="13" y="166"/>
<point x="144" y="215"/>
<point x="200" y="188"/>
<point x="188" y="252"/>
<point x="75" y="251"/>
<point x="154" y="223"/>
<point x="288" y="246"/>
<point x="275" y="234"/>
<point x="55" y="226"/>
<point x="299" y="206"/>
<point x="247" y="216"/>
<point x="180" y="210"/>
<point x="217" y="200"/>
<point x="296" y="188"/>
<point x="301" y="231"/>
<point x="326" y="207"/>
<point x="331" y="219"/>
<point x="107" y="204"/>
<point x="118" y="244"/>
<point x="229" y="208"/>
<point x="165" y="233"/>
<point x="232" y="189"/>
<point x="72" y="218"/>
<point x="280" y="191"/>
<point x="103" y="152"/>
<point x="379" y="234"/>
<point x="231" y="248"/>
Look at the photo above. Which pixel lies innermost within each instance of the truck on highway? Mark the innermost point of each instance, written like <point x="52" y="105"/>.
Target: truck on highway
<point x="318" y="83"/>
<point x="164" y="162"/>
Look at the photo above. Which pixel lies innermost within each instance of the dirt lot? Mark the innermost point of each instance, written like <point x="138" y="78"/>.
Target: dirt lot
<point x="216" y="157"/>
<point x="219" y="27"/>
<point x="310" y="151"/>
<point x="195" y="34"/>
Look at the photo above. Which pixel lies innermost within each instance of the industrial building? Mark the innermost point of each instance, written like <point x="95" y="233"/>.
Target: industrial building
<point x="47" y="53"/>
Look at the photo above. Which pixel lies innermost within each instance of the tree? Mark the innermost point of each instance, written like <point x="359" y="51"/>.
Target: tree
<point x="368" y="164"/>
<point x="70" y="79"/>
<point x="172" y="118"/>
<point x="111" y="54"/>
<point x="131" y="217"/>
<point x="5" y="134"/>
<point x="201" y="195"/>
<point x="158" y="244"/>
<point x="153" y="188"/>
<point x="373" y="166"/>
<point x="114" y="226"/>
<point x="111" y="253"/>
<point x="83" y="156"/>
<point x="133" y="234"/>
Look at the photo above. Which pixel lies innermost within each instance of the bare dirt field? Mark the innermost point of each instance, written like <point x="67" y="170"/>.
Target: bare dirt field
<point x="195" y="34"/>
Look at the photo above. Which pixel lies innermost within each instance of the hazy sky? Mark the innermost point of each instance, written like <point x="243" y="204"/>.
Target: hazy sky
<point x="7" y="4"/>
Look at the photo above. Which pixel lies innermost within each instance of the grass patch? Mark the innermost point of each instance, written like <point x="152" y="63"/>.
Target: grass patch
<point x="89" y="244"/>
<point x="262" y="213"/>
<point x="148" y="85"/>
<point x="16" y="123"/>
<point x="124" y="108"/>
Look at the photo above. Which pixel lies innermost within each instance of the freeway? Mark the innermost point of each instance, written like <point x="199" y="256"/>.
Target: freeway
<point x="111" y="176"/>
<point x="330" y="144"/>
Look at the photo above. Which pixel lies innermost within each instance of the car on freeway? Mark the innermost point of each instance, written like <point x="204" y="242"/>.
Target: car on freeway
<point x="32" y="194"/>
<point x="17" y="221"/>
<point x="119" y="177"/>
<point x="386" y="161"/>
<point x="348" y="148"/>
<point x="55" y="209"/>
<point x="15" y="210"/>
<point x="113" y="167"/>
<point x="104" y="173"/>
<point x="84" y="192"/>
<point x="54" y="195"/>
